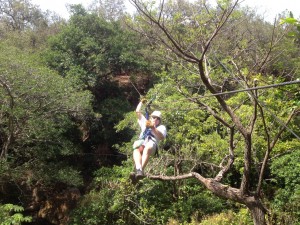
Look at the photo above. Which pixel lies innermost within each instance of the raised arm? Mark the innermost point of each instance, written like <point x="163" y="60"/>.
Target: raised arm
<point x="138" y="110"/>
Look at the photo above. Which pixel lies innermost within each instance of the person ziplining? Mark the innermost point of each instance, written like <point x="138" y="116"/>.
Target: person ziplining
<point x="152" y="131"/>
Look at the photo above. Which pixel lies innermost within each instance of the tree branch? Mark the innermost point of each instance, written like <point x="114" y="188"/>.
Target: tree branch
<point x="179" y="49"/>
<point x="230" y="157"/>
<point x="223" y="191"/>
<point x="270" y="148"/>
<point x="254" y="117"/>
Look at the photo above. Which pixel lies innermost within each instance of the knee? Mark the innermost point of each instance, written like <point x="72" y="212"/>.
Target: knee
<point x="137" y="151"/>
<point x="147" y="150"/>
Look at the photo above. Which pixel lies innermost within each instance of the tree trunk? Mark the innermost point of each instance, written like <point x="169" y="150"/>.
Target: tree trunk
<point x="254" y="204"/>
<point x="258" y="213"/>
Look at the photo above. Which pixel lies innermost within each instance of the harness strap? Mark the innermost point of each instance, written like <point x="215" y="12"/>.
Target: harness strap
<point x="147" y="134"/>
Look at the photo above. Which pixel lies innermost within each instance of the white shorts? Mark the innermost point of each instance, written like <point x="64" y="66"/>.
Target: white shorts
<point x="149" y="142"/>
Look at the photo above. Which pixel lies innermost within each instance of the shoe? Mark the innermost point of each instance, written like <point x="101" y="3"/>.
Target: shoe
<point x="139" y="174"/>
<point x="132" y="178"/>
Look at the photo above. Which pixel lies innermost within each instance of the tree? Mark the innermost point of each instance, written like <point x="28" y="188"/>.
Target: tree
<point x="24" y="25"/>
<point x="110" y="10"/>
<point x="95" y="49"/>
<point x="38" y="109"/>
<point x="96" y="52"/>
<point x="226" y="53"/>
<point x="20" y="15"/>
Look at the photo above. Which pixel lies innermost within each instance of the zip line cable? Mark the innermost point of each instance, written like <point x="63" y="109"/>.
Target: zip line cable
<point x="257" y="88"/>
<point x="264" y="105"/>
<point x="244" y="90"/>
<point x="277" y="119"/>
<point x="237" y="91"/>
<point x="135" y="88"/>
<point x="250" y="89"/>
<point x="231" y="92"/>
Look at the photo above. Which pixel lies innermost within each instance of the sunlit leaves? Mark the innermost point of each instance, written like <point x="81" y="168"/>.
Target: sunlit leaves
<point x="12" y="214"/>
<point x="286" y="169"/>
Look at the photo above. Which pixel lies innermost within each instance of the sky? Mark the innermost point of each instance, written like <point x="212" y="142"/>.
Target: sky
<point x="268" y="8"/>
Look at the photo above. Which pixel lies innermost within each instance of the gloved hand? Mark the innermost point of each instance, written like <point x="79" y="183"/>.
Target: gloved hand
<point x="143" y="100"/>
<point x="149" y="124"/>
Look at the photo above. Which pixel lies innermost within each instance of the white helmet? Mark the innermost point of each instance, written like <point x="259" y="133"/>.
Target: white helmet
<point x="156" y="113"/>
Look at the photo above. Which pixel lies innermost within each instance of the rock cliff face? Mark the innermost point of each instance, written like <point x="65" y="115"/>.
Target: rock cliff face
<point x="141" y="82"/>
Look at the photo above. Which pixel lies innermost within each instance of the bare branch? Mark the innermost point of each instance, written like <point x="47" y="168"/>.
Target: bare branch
<point x="178" y="49"/>
<point x="230" y="157"/>
<point x="224" y="18"/>
<point x="272" y="44"/>
<point x="209" y="109"/>
<point x="214" y="186"/>
<point x="254" y="117"/>
<point x="212" y="112"/>
<point x="291" y="116"/>
<point x="270" y="148"/>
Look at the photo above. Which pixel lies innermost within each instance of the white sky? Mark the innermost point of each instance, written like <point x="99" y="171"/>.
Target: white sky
<point x="268" y="8"/>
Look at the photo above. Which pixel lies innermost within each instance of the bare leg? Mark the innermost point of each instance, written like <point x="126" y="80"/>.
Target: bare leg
<point x="137" y="157"/>
<point x="148" y="151"/>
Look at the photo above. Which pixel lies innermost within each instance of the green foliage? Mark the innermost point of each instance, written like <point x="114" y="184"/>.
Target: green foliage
<point x="114" y="200"/>
<point x="12" y="215"/>
<point x="95" y="52"/>
<point x="242" y="217"/>
<point x="94" y="49"/>
<point x="295" y="33"/>
<point x="285" y="170"/>
<point x="107" y="202"/>
<point x="40" y="110"/>
<point x="21" y="15"/>
<point x="37" y="107"/>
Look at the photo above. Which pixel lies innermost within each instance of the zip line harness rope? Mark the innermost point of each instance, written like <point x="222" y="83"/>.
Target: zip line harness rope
<point x="147" y="131"/>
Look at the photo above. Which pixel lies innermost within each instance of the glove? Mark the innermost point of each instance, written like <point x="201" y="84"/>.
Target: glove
<point x="143" y="100"/>
<point x="149" y="124"/>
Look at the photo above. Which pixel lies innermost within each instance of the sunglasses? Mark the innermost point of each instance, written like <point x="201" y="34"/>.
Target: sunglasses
<point x="155" y="117"/>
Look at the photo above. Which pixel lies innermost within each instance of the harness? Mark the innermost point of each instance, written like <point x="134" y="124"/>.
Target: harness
<point x="147" y="132"/>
